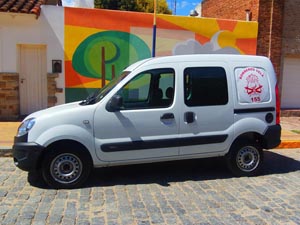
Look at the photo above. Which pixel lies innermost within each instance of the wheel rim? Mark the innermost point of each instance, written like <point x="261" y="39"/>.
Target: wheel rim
<point x="66" y="168"/>
<point x="248" y="159"/>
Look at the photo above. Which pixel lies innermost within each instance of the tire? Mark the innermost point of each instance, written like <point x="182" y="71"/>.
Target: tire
<point x="66" y="169"/>
<point x="245" y="158"/>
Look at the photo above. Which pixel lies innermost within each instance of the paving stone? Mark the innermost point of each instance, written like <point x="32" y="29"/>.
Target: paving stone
<point x="54" y="218"/>
<point x="160" y="194"/>
<point x="143" y="222"/>
<point x="68" y="221"/>
<point x="140" y="214"/>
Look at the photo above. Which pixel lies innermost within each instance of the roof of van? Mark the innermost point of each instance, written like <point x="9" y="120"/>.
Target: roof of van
<point x="196" y="57"/>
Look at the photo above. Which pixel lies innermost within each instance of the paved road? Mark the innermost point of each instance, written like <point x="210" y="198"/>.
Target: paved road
<point x="189" y="192"/>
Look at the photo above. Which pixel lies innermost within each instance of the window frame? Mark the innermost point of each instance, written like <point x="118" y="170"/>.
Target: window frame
<point x="154" y="84"/>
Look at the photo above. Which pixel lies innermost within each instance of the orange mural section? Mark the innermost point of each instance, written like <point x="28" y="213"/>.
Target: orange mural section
<point x="73" y="78"/>
<point x="245" y="45"/>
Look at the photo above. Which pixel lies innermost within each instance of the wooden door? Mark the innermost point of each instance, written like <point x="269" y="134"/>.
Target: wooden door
<point x="33" y="78"/>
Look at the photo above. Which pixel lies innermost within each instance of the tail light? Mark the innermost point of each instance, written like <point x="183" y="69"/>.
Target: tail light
<point x="277" y="105"/>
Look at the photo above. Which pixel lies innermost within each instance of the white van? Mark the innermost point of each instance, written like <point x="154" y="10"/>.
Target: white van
<point x="159" y="109"/>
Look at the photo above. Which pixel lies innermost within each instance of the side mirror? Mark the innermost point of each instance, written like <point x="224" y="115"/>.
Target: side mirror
<point x="114" y="103"/>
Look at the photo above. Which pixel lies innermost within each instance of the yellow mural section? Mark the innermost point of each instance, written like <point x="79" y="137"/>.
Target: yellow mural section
<point x="75" y="35"/>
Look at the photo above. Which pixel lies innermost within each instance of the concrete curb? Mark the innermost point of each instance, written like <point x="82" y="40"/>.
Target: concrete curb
<point x="6" y="151"/>
<point x="289" y="144"/>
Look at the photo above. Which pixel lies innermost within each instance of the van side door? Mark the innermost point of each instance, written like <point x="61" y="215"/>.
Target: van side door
<point x="144" y="124"/>
<point x="206" y="124"/>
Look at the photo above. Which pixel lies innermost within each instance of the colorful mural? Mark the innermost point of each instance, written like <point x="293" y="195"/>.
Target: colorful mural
<point x="99" y="44"/>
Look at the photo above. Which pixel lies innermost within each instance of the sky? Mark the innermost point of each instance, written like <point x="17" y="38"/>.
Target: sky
<point x="183" y="7"/>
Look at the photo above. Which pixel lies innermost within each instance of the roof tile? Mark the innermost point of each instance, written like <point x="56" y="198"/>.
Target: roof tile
<point x="23" y="6"/>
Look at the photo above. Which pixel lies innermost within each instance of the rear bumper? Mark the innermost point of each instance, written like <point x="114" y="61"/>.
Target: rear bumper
<point x="26" y="155"/>
<point x="271" y="139"/>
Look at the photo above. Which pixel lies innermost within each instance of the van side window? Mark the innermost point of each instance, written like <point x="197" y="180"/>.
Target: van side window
<point x="149" y="89"/>
<point x="205" y="86"/>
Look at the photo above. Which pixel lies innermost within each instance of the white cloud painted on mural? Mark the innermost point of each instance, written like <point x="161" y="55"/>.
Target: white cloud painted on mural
<point x="191" y="46"/>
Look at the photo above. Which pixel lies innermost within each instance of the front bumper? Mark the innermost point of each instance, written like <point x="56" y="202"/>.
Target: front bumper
<point x="26" y="155"/>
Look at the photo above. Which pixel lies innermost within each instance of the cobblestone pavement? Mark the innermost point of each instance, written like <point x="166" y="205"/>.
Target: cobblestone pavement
<point x="186" y="192"/>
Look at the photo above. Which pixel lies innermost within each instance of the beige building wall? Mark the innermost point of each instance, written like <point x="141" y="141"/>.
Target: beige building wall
<point x="25" y="29"/>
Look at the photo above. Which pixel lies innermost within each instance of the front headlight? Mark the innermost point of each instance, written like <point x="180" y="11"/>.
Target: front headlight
<point x="25" y="127"/>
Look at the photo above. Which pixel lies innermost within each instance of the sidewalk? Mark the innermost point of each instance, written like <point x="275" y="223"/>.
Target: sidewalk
<point x="290" y="135"/>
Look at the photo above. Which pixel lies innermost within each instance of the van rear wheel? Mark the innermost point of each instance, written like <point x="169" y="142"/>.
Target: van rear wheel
<point x="63" y="169"/>
<point x="245" y="158"/>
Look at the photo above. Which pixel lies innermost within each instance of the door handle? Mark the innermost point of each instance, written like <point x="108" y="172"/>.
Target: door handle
<point x="189" y="117"/>
<point x="167" y="116"/>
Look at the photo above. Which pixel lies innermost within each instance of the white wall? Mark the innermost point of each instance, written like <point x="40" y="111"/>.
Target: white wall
<point x="48" y="29"/>
<point x="53" y="32"/>
<point x="290" y="83"/>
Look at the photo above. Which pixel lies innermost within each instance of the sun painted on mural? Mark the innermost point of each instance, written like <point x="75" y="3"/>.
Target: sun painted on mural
<point x="99" y="44"/>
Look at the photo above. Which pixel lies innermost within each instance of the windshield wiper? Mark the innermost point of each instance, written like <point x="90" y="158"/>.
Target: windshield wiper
<point x="101" y="93"/>
<point x="91" y="99"/>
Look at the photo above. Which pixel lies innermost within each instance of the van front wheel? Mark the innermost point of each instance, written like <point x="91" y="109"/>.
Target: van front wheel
<point x="62" y="169"/>
<point x="245" y="158"/>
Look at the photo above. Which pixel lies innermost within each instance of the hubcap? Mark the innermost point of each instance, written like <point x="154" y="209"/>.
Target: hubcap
<point x="66" y="168"/>
<point x="248" y="158"/>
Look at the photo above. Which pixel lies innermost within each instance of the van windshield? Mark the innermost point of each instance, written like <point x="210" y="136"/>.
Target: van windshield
<point x="99" y="94"/>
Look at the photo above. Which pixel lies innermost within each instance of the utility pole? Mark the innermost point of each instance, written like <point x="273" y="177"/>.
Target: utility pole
<point x="175" y="5"/>
<point x="154" y="29"/>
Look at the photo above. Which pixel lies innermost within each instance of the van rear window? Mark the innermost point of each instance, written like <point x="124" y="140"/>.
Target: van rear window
<point x="205" y="86"/>
<point x="252" y="85"/>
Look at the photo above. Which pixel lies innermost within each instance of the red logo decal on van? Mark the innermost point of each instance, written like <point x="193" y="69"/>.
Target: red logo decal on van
<point x="253" y="85"/>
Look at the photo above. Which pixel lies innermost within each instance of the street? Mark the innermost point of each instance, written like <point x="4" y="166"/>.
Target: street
<point x="185" y="192"/>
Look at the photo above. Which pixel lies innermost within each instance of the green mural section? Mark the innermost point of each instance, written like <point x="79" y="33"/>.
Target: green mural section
<point x="111" y="49"/>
